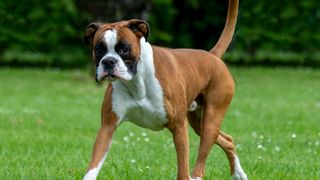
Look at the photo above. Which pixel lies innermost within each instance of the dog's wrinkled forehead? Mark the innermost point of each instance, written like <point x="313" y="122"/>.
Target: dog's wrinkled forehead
<point x="110" y="36"/>
<point x="132" y="30"/>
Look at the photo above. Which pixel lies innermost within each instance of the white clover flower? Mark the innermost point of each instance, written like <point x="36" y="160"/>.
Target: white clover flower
<point x="309" y="150"/>
<point x="146" y="139"/>
<point x="277" y="148"/>
<point x="133" y="161"/>
<point x="126" y="138"/>
<point x="237" y="113"/>
<point x="254" y="134"/>
<point x="4" y="111"/>
<point x="131" y="134"/>
<point x="143" y="134"/>
<point x="260" y="146"/>
<point x="293" y="135"/>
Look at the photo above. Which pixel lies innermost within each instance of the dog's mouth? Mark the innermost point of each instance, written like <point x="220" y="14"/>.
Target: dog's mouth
<point x="113" y="76"/>
<point x="109" y="77"/>
<point x="106" y="76"/>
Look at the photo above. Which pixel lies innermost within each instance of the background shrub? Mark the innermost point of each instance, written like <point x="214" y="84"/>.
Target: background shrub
<point x="49" y="34"/>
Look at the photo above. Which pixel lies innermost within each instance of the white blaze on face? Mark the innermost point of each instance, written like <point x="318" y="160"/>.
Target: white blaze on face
<point x="120" y="70"/>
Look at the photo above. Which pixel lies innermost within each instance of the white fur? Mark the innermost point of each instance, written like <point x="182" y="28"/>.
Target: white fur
<point x="120" y="70"/>
<point x="196" y="178"/>
<point x="100" y="72"/>
<point x="93" y="173"/>
<point x="140" y="100"/>
<point x="238" y="171"/>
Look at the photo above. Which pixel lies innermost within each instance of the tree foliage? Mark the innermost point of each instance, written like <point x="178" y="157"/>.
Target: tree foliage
<point x="40" y="32"/>
<point x="277" y="29"/>
<point x="34" y="32"/>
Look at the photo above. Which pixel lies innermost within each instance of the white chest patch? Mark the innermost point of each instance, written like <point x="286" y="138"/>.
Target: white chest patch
<point x="140" y="100"/>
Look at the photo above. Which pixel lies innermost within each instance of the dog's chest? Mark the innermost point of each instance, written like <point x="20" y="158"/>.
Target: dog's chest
<point x="145" y="110"/>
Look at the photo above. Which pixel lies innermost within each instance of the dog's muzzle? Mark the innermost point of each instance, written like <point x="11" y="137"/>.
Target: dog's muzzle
<point x="111" y="68"/>
<point x="109" y="64"/>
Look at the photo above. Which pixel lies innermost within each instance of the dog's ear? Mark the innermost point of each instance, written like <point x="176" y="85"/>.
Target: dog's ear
<point x="140" y="28"/>
<point x="90" y="32"/>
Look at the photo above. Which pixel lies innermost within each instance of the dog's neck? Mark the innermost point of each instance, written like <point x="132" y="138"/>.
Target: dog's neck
<point x="145" y="76"/>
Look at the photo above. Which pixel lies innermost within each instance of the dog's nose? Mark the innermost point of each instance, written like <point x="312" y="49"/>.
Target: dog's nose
<point x="110" y="62"/>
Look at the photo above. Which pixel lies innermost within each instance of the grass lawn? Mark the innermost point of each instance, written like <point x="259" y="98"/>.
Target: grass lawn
<point x="49" y="120"/>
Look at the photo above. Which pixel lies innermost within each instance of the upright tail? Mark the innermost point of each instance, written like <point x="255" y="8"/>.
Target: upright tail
<point x="223" y="43"/>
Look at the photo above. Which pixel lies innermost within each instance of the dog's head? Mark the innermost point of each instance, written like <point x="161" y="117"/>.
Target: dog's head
<point x="116" y="47"/>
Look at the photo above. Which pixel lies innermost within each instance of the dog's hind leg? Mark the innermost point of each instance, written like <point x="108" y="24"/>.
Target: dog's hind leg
<point x="225" y="141"/>
<point x="217" y="98"/>
<point x="209" y="131"/>
<point x="194" y="118"/>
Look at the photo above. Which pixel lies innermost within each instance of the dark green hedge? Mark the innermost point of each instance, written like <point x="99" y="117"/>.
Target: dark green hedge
<point x="270" y="32"/>
<point x="283" y="32"/>
<point x="38" y="33"/>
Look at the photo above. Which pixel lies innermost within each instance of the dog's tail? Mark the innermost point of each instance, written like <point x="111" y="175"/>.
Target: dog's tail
<point x="220" y="48"/>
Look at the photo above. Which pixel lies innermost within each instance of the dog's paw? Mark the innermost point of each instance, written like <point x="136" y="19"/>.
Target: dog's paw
<point x="239" y="175"/>
<point x="91" y="174"/>
<point x="196" y="178"/>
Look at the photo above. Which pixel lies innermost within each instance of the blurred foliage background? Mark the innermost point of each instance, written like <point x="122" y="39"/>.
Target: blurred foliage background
<point x="269" y="32"/>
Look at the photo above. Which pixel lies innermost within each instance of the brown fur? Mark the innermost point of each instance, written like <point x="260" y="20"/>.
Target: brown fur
<point x="185" y="75"/>
<point x="182" y="82"/>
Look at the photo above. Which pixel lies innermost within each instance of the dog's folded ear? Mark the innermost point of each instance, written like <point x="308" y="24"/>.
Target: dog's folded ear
<point x="90" y="32"/>
<point x="140" y="28"/>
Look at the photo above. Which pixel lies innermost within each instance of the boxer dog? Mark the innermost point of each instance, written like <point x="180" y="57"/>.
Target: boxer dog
<point x="157" y="87"/>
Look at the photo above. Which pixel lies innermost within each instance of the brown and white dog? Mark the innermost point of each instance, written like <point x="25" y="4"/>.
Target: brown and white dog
<point x="156" y="87"/>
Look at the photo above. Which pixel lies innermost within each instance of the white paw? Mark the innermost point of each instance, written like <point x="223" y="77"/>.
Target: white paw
<point x="196" y="178"/>
<point x="91" y="174"/>
<point x="240" y="175"/>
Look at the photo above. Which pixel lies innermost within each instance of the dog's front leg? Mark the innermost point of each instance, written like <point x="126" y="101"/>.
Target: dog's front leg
<point x="100" y="151"/>
<point x="101" y="147"/>
<point x="181" y="142"/>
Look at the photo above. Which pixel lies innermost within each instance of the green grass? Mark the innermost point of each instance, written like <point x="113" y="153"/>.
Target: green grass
<point x="49" y="119"/>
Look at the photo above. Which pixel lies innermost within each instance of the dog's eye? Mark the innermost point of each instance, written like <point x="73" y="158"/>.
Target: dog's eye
<point x="100" y="50"/>
<point x="124" y="50"/>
